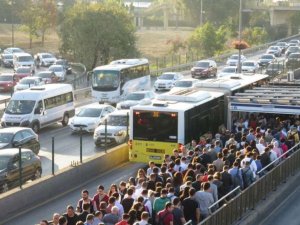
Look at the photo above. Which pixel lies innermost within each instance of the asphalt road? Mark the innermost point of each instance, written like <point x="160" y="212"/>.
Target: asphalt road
<point x="287" y="212"/>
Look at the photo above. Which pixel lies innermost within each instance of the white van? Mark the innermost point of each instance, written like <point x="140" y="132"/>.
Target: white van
<point x="23" y="59"/>
<point x="40" y="106"/>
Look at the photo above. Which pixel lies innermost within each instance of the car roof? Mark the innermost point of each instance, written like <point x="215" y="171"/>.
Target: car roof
<point x="206" y="60"/>
<point x="247" y="61"/>
<point x="12" y="151"/>
<point x="173" y="73"/>
<point x="94" y="105"/>
<point x="30" y="78"/>
<point x="189" y="79"/>
<point x="13" y="130"/>
<point x="141" y="92"/>
<point x="7" y="74"/>
<point x="45" y="71"/>
<point x="120" y="112"/>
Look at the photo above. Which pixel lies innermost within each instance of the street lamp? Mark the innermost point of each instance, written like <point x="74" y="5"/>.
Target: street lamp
<point x="240" y="39"/>
<point x="201" y="12"/>
<point x="12" y="24"/>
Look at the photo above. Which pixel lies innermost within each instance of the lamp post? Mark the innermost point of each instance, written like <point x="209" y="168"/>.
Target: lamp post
<point x="240" y="38"/>
<point x="12" y="24"/>
<point x="201" y="12"/>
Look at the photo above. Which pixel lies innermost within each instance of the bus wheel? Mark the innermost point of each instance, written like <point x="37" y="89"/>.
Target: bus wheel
<point x="35" y="127"/>
<point x="65" y="120"/>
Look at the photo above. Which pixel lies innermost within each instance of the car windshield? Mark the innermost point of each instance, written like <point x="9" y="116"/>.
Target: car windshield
<point x="6" y="78"/>
<point x="273" y="48"/>
<point x="229" y="70"/>
<point x="56" y="68"/>
<point x="234" y="57"/>
<point x="114" y="120"/>
<point x="294" y="56"/>
<point x="135" y="96"/>
<point x="248" y="64"/>
<point x="293" y="48"/>
<point x="47" y="56"/>
<point x="184" y="83"/>
<point x="7" y="56"/>
<point x="27" y="81"/>
<point x="89" y="112"/>
<point x="25" y="58"/>
<point x="6" y="137"/>
<point x="267" y="57"/>
<point x="20" y="107"/>
<point x="23" y="70"/>
<point x="3" y="162"/>
<point x="166" y="76"/>
<point x="202" y="64"/>
<point x="274" y="66"/>
<point x="44" y="75"/>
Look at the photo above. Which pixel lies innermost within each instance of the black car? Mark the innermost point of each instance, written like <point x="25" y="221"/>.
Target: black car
<point x="293" y="61"/>
<point x="9" y="167"/>
<point x="15" y="137"/>
<point x="6" y="60"/>
<point x="65" y="64"/>
<point x="274" y="69"/>
<point x="266" y="59"/>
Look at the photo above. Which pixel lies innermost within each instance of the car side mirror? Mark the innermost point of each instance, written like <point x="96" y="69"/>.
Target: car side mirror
<point x="12" y="167"/>
<point x="37" y="111"/>
<point x="16" y="143"/>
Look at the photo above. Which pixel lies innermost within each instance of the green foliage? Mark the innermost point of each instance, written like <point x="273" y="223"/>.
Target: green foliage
<point x="97" y="33"/>
<point x="176" y="44"/>
<point x="206" y="41"/>
<point x="255" y="35"/>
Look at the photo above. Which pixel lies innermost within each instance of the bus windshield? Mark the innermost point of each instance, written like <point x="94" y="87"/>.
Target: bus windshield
<point x="106" y="80"/>
<point x="155" y="126"/>
<point x="20" y="107"/>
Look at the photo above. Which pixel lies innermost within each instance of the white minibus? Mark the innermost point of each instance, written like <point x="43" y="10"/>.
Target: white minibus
<point x="40" y="106"/>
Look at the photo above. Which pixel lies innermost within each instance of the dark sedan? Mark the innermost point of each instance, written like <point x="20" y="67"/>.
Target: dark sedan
<point x="9" y="167"/>
<point x="6" y="60"/>
<point x="274" y="69"/>
<point x="293" y="61"/>
<point x="15" y="137"/>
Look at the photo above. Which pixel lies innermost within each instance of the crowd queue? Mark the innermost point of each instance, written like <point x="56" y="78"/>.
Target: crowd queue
<point x="190" y="180"/>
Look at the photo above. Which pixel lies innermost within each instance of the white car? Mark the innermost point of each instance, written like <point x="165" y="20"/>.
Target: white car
<point x="250" y="66"/>
<point x="13" y="50"/>
<point x="234" y="59"/>
<point x="167" y="80"/>
<point x="184" y="84"/>
<point x="28" y="82"/>
<point x="46" y="59"/>
<point x="275" y="50"/>
<point x="89" y="117"/>
<point x="59" y="71"/>
<point x="227" y="71"/>
<point x="135" y="98"/>
<point x="116" y="129"/>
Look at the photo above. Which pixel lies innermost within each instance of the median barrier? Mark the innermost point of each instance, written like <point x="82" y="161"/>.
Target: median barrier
<point x="16" y="201"/>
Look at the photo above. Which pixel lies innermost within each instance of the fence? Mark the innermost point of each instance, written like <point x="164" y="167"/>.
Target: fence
<point x="248" y="199"/>
<point x="186" y="61"/>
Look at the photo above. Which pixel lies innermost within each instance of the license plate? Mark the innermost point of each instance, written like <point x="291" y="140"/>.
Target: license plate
<point x="107" y="140"/>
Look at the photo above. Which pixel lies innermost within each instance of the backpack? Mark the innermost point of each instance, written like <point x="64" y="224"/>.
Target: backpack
<point x="236" y="179"/>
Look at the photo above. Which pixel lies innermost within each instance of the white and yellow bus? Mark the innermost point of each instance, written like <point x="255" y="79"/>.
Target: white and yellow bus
<point x="171" y="120"/>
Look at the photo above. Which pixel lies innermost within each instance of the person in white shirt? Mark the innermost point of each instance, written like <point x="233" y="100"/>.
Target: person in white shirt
<point x="253" y="166"/>
<point x="119" y="205"/>
<point x="144" y="219"/>
<point x="261" y="146"/>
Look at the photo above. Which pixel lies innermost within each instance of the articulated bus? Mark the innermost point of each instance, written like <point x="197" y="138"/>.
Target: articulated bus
<point x="172" y="120"/>
<point x="112" y="82"/>
<point x="178" y="117"/>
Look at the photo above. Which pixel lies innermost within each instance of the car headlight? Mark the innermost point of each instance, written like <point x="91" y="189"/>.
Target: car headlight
<point x="193" y="69"/>
<point x="90" y="124"/>
<point x="118" y="133"/>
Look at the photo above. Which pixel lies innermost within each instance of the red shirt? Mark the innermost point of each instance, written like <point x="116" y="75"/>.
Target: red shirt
<point x="122" y="222"/>
<point x="167" y="216"/>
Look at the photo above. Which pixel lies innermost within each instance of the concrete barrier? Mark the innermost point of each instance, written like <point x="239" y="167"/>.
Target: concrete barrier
<point x="32" y="194"/>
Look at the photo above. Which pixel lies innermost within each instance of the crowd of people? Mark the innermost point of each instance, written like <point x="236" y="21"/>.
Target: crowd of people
<point x="188" y="184"/>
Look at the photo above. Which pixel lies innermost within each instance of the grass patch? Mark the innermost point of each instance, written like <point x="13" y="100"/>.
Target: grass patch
<point x="152" y="43"/>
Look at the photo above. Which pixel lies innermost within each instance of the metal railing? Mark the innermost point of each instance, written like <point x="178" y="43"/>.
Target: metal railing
<point x="248" y="199"/>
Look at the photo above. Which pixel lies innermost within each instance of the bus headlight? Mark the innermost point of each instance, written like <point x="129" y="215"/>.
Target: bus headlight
<point x="118" y="133"/>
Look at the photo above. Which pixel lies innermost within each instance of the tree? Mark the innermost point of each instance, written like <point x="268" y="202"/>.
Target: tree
<point x="97" y="32"/>
<point x="255" y="35"/>
<point x="205" y="40"/>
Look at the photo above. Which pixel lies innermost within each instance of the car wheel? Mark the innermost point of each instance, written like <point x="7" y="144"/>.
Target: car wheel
<point x="35" y="127"/>
<point x="37" y="174"/>
<point x="4" y="187"/>
<point x="65" y="120"/>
